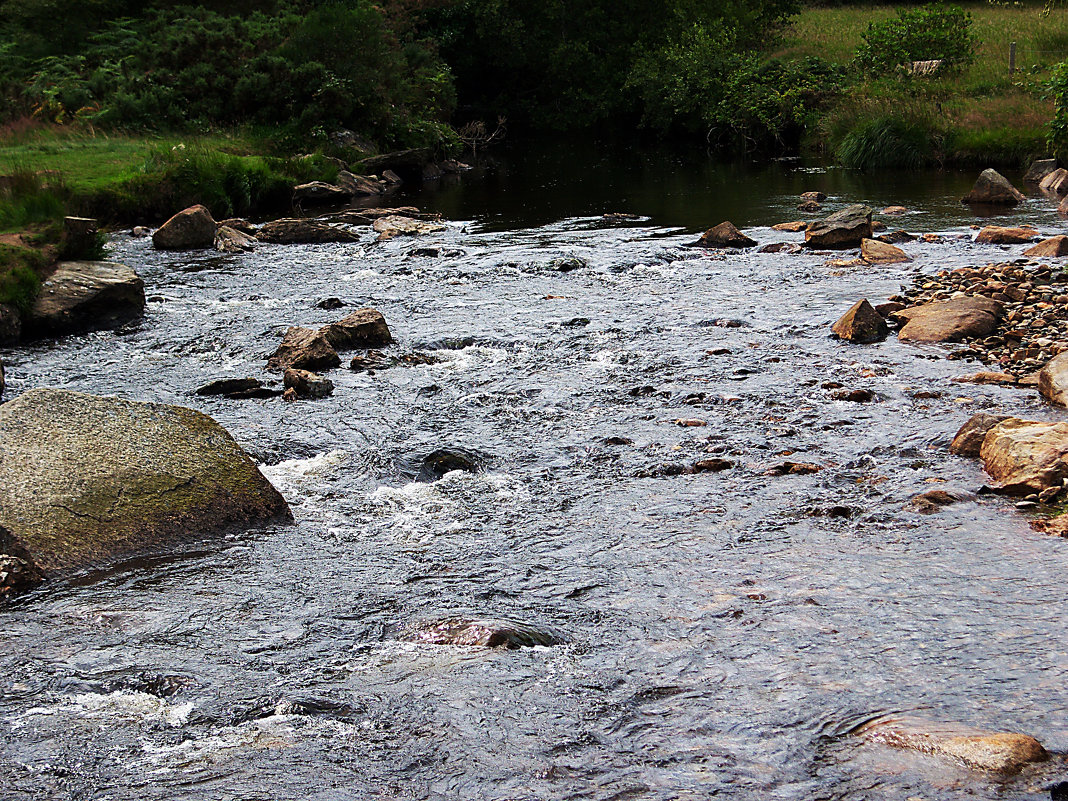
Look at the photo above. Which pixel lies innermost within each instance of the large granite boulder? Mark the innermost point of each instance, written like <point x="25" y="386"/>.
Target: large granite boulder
<point x="993" y="189"/>
<point x="843" y="229"/>
<point x="1053" y="380"/>
<point x="304" y="349"/>
<point x="189" y="229"/>
<point x="999" y="752"/>
<point x="1038" y="170"/>
<point x="84" y="296"/>
<point x="949" y="320"/>
<point x="85" y="480"/>
<point x="1026" y="456"/>
<point x="293" y="231"/>
<point x="364" y="328"/>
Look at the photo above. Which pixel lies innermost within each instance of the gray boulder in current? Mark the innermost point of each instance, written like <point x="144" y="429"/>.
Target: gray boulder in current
<point x="189" y="229"/>
<point x="843" y="229"/>
<point x="992" y="188"/>
<point x="84" y="296"/>
<point x="85" y="480"/>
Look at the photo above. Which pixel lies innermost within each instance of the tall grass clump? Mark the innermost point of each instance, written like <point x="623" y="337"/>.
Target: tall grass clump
<point x="26" y="199"/>
<point x="19" y="280"/>
<point x="888" y="141"/>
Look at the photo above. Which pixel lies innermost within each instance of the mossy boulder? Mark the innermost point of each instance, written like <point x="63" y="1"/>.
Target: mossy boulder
<point x="85" y="480"/>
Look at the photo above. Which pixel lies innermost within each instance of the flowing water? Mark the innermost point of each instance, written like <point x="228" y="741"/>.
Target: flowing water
<point x="723" y="632"/>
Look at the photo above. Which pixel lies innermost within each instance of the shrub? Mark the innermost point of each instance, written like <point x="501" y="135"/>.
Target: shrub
<point x="888" y="141"/>
<point x="934" y="31"/>
<point x="1058" y="126"/>
<point x="19" y="281"/>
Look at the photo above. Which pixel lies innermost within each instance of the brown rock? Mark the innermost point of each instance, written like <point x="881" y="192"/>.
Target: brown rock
<point x="875" y="252"/>
<point x="886" y="309"/>
<point x="780" y="247"/>
<point x="999" y="752"/>
<point x="18" y="574"/>
<point x="897" y="237"/>
<point x="792" y="469"/>
<point x="364" y="328"/>
<point x="996" y="235"/>
<point x="360" y="184"/>
<point x="819" y="197"/>
<point x="1053" y="380"/>
<point x="290" y="395"/>
<point x="854" y="395"/>
<point x="304" y="349"/>
<point x="239" y="224"/>
<point x="986" y="377"/>
<point x="843" y="229"/>
<point x="725" y="235"/>
<point x="937" y="499"/>
<point x="861" y="324"/>
<point x="189" y="229"/>
<point x="1026" y="456"/>
<point x="969" y="439"/>
<point x="1057" y="526"/>
<point x="1053" y="248"/>
<point x="894" y="210"/>
<point x="950" y="320"/>
<point x="395" y="225"/>
<point x="319" y="192"/>
<point x="791" y="227"/>
<point x="992" y="188"/>
<point x="1038" y="170"/>
<point x="292" y="231"/>
<point x="1062" y="207"/>
<point x="1055" y="182"/>
<point x="307" y="384"/>
<point x="230" y="240"/>
<point x="809" y="206"/>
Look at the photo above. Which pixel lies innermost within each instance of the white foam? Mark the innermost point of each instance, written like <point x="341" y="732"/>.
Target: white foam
<point x="123" y="704"/>
<point x="293" y="473"/>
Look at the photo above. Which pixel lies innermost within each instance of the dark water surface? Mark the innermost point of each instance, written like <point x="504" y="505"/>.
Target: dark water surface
<point x="724" y="631"/>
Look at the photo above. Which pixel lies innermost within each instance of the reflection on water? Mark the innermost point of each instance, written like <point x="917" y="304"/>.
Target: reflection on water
<point x="724" y="631"/>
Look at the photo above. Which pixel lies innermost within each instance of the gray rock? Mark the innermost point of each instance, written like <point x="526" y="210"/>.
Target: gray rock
<point x="843" y="229"/>
<point x="1038" y="170"/>
<point x="190" y="229"/>
<point x="306" y="384"/>
<point x="395" y="225"/>
<point x="485" y="633"/>
<point x="993" y="188"/>
<point x="320" y="192"/>
<point x="230" y="240"/>
<point x="293" y="231"/>
<point x="359" y="184"/>
<point x="84" y="296"/>
<point x="85" y="480"/>
<point x="725" y="235"/>
<point x="364" y="328"/>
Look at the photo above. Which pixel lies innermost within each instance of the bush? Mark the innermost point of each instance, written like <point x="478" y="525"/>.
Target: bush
<point x="933" y="32"/>
<point x="888" y="141"/>
<point x="19" y="281"/>
<point x="1058" y="126"/>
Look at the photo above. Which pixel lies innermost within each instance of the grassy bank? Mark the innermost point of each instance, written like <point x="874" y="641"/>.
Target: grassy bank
<point x="984" y="115"/>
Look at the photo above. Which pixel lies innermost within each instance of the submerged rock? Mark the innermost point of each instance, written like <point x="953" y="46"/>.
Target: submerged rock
<point x="364" y="328"/>
<point x="998" y="752"/>
<point x="843" y="229"/>
<point x="292" y="231"/>
<point x="84" y="296"/>
<point x="485" y="633"/>
<point x="897" y="237"/>
<point x="969" y="439"/>
<point x="230" y="240"/>
<point x="1053" y="380"/>
<point x="818" y="197"/>
<point x="445" y="460"/>
<point x="306" y="384"/>
<point x="85" y="480"/>
<point x="791" y="227"/>
<point x="876" y="252"/>
<point x="861" y="324"/>
<point x="992" y="188"/>
<point x="950" y="320"/>
<point x="998" y="235"/>
<point x="725" y="235"/>
<point x="228" y="386"/>
<point x="1053" y="248"/>
<point x="304" y="349"/>
<point x="189" y="229"/>
<point x="1026" y="456"/>
<point x="935" y="500"/>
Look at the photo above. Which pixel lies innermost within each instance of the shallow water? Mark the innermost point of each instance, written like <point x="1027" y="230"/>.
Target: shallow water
<point x="724" y="631"/>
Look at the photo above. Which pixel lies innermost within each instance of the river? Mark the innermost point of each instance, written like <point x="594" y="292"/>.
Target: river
<point x="723" y="631"/>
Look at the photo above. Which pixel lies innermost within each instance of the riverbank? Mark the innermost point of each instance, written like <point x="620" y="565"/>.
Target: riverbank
<point x="983" y="116"/>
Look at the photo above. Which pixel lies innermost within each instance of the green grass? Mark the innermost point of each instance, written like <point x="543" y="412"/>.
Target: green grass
<point x="20" y="275"/>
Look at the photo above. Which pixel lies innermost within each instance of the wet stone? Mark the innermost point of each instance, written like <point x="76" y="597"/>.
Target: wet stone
<point x="446" y="460"/>
<point x="482" y="633"/>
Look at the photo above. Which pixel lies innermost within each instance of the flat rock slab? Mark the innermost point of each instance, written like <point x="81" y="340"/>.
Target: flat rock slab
<point x="999" y="752"/>
<point x="1053" y="380"/>
<point x="993" y="189"/>
<point x="791" y="227"/>
<point x="998" y="235"/>
<point x="843" y="229"/>
<point x="85" y="296"/>
<point x="85" y="480"/>
<point x="292" y="231"/>
<point x="189" y="229"/>
<point x="320" y="192"/>
<point x="876" y="252"/>
<point x="1026" y="456"/>
<point x="393" y="226"/>
<point x="949" y="320"/>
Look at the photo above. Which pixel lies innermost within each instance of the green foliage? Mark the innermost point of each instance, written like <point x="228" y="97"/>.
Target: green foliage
<point x="187" y="67"/>
<point x="934" y="31"/>
<point x="19" y="281"/>
<point x="26" y="199"/>
<point x="888" y="141"/>
<point x="1057" y="137"/>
